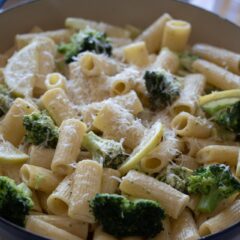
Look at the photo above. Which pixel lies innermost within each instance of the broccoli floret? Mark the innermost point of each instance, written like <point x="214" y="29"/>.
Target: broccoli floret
<point x="122" y="217"/>
<point x="86" y="40"/>
<point x="6" y="99"/>
<point x="15" y="201"/>
<point x="163" y="88"/>
<point x="40" y="129"/>
<point x="176" y="176"/>
<point x="108" y="152"/>
<point x="186" y="60"/>
<point x="213" y="183"/>
<point x="229" y="117"/>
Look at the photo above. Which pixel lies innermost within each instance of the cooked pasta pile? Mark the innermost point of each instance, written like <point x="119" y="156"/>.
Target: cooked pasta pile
<point x="117" y="133"/>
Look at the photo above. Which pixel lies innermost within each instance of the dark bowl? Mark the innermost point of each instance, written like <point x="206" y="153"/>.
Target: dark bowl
<point x="50" y="14"/>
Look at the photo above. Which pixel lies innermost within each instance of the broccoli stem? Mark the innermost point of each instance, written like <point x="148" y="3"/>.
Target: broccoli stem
<point x="209" y="202"/>
<point x="91" y="142"/>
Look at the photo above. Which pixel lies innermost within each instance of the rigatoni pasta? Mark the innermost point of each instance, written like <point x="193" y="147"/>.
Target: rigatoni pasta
<point x="123" y="125"/>
<point x="58" y="105"/>
<point x="188" y="125"/>
<point x="217" y="76"/>
<point x="154" y="33"/>
<point x="12" y="125"/>
<point x="86" y="183"/>
<point x="136" y="53"/>
<point x="219" y="154"/>
<point x="68" y="147"/>
<point x="176" y="34"/>
<point x="184" y="229"/>
<point x="110" y="180"/>
<point x="58" y="201"/>
<point x="142" y="186"/>
<point x="39" y="178"/>
<point x="193" y="88"/>
<point x="72" y="226"/>
<point x="40" y="156"/>
<point x="116" y="137"/>
<point x="56" y="80"/>
<point x="167" y="60"/>
<point x="45" y="229"/>
<point x="224" y="219"/>
<point x="220" y="56"/>
<point x="93" y="65"/>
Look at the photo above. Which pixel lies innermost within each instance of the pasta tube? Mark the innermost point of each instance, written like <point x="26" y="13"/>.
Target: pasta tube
<point x="221" y="221"/>
<point x="71" y="134"/>
<point x="217" y="76"/>
<point x="218" y="154"/>
<point x="129" y="101"/>
<point x="39" y="178"/>
<point x="12" y="127"/>
<point x="188" y="125"/>
<point x="190" y="146"/>
<point x="58" y="105"/>
<point x="123" y="82"/>
<point x="72" y="226"/>
<point x="140" y="185"/>
<point x="58" y="201"/>
<point x="110" y="30"/>
<point x="36" y="203"/>
<point x="192" y="89"/>
<point x="93" y="65"/>
<point x="58" y="36"/>
<point x="110" y="180"/>
<point x="184" y="228"/>
<point x="224" y="204"/>
<point x="42" y="197"/>
<point x="167" y="60"/>
<point x="187" y="161"/>
<point x="45" y="229"/>
<point x="153" y="35"/>
<point x="99" y="234"/>
<point x="56" y="80"/>
<point x="137" y="54"/>
<point x="219" y="56"/>
<point x="161" y="155"/>
<point x="176" y="34"/>
<point x="40" y="156"/>
<point x="123" y="125"/>
<point x="86" y="184"/>
<point x="165" y="233"/>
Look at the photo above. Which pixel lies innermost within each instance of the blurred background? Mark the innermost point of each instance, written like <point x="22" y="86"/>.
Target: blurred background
<point x="229" y="9"/>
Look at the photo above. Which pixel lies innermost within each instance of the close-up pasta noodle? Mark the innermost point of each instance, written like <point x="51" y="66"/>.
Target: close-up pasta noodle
<point x="119" y="133"/>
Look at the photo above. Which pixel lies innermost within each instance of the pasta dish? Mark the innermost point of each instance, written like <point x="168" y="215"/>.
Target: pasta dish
<point x="117" y="133"/>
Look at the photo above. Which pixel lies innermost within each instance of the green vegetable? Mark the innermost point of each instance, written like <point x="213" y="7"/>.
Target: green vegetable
<point x="6" y="99"/>
<point x="223" y="107"/>
<point x="213" y="183"/>
<point x="213" y="107"/>
<point x="122" y="217"/>
<point x="86" y="40"/>
<point x="229" y="117"/>
<point x="15" y="201"/>
<point x="163" y="88"/>
<point x="105" y="151"/>
<point x="186" y="60"/>
<point x="40" y="129"/>
<point x="176" y="176"/>
<point x="150" y="140"/>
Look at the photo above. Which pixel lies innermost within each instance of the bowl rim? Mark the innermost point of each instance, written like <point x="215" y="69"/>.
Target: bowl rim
<point x="235" y="25"/>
